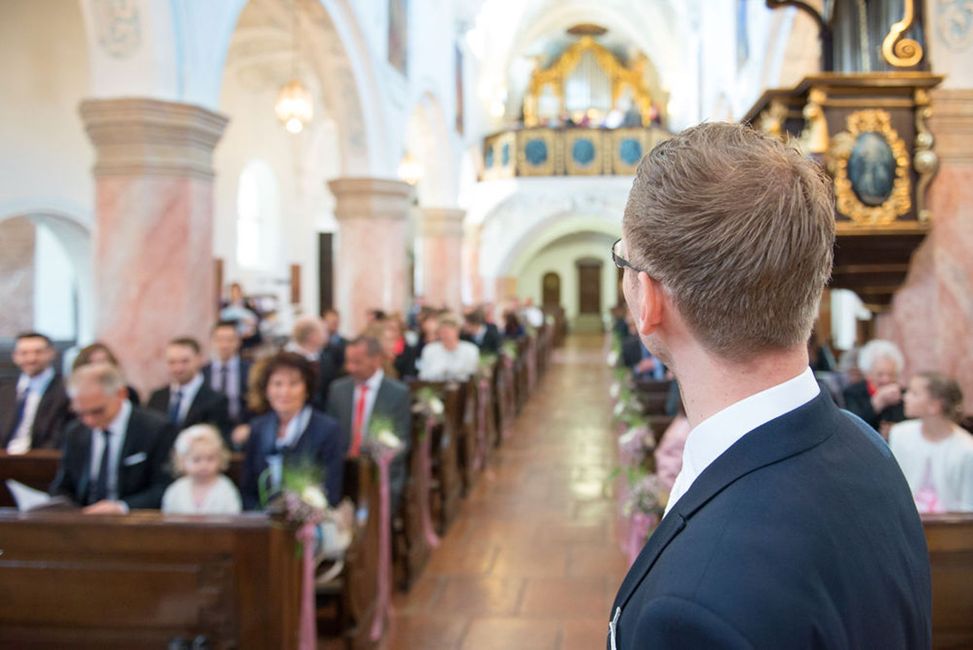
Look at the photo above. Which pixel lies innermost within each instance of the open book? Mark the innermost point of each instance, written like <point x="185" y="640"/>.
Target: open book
<point x="29" y="499"/>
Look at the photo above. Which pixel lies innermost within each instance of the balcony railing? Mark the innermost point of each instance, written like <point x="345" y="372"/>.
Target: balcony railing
<point x="568" y="151"/>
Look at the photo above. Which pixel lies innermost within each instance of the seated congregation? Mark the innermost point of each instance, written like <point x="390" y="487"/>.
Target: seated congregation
<point x="922" y="421"/>
<point x="386" y="430"/>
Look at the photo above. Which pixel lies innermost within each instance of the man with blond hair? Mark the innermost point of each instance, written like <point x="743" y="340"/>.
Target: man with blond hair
<point x="790" y="524"/>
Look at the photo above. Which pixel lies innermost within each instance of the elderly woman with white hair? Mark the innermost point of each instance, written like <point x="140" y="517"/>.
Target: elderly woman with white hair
<point x="878" y="398"/>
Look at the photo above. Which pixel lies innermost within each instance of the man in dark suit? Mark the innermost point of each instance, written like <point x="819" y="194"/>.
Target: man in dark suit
<point x="34" y="409"/>
<point x="335" y="347"/>
<point x="485" y="335"/>
<point x="229" y="374"/>
<point x="790" y="524"/>
<point x="366" y="394"/>
<point x="115" y="454"/>
<point x="188" y="399"/>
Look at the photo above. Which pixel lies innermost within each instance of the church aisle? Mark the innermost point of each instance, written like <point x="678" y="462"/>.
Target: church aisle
<point x="532" y="561"/>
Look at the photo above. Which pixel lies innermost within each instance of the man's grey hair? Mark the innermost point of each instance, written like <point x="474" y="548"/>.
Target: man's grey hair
<point x="305" y="326"/>
<point x="880" y="349"/>
<point x="373" y="347"/>
<point x="101" y="375"/>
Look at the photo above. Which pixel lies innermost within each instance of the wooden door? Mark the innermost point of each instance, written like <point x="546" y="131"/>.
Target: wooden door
<point x="589" y="286"/>
<point x="551" y="290"/>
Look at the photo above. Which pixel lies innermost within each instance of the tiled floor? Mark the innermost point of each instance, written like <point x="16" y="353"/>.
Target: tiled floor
<point x="531" y="562"/>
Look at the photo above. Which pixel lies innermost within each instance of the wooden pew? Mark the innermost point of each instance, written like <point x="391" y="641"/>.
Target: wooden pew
<point x="653" y="395"/>
<point x="351" y="599"/>
<point x="37" y="469"/>
<point x="447" y="488"/>
<point x="950" y="541"/>
<point x="142" y="580"/>
<point x="504" y="397"/>
<point x="411" y="550"/>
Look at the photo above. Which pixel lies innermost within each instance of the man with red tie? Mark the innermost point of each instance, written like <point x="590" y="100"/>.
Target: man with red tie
<point x="366" y="394"/>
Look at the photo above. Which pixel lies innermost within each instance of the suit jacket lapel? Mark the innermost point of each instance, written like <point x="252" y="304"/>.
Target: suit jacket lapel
<point x="84" y="453"/>
<point x="783" y="437"/>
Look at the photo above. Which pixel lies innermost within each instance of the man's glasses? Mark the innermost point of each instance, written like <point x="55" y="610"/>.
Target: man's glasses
<point x="620" y="261"/>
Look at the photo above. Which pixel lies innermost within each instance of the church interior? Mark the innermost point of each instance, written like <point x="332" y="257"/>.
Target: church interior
<point x="407" y="209"/>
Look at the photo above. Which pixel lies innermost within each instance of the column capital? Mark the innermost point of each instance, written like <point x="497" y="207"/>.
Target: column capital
<point x="150" y="137"/>
<point x="441" y="222"/>
<point x="370" y="198"/>
<point x="952" y="124"/>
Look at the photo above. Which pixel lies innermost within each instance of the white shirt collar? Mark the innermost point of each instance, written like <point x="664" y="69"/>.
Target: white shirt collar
<point x="188" y="391"/>
<point x="375" y="381"/>
<point x="713" y="436"/>
<point x="38" y="384"/>
<point x="295" y="428"/>
<point x="118" y="426"/>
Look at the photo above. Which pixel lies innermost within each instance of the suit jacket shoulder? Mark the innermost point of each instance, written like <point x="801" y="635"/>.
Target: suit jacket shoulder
<point x="810" y="526"/>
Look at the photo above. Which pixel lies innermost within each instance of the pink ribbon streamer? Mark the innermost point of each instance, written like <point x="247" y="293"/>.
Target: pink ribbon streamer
<point x="531" y="365"/>
<point x="641" y="525"/>
<point x="308" y="630"/>
<point x="483" y="400"/>
<point x="383" y="603"/>
<point x="425" y="516"/>
<point x="508" y="394"/>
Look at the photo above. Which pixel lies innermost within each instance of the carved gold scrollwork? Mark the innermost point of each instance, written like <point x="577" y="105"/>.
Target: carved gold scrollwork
<point x="924" y="161"/>
<point x="771" y="120"/>
<point x="899" y="201"/>
<point x="814" y="138"/>
<point x="898" y="51"/>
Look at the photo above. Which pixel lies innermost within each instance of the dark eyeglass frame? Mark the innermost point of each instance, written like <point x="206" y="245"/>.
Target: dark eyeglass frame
<point x="621" y="262"/>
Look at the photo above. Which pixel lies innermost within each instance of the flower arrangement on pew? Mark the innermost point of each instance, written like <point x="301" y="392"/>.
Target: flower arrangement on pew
<point x="509" y="351"/>
<point x="324" y="533"/>
<point x="487" y="364"/>
<point x="643" y="508"/>
<point x="429" y="405"/>
<point x="382" y="446"/>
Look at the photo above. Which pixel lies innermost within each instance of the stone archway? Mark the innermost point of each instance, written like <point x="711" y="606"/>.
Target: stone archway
<point x="74" y="236"/>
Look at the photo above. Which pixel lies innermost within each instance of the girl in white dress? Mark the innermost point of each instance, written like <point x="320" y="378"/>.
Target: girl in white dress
<point x="201" y="457"/>
<point x="935" y="454"/>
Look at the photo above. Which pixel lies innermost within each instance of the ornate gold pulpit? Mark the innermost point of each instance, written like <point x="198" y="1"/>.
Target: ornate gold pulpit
<point x="870" y="133"/>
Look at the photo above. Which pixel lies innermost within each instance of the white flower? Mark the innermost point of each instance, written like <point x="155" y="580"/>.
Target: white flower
<point x="634" y="434"/>
<point x="619" y="408"/>
<point x="313" y="496"/>
<point x="389" y="440"/>
<point x="436" y="406"/>
<point x="614" y="390"/>
<point x="612" y="359"/>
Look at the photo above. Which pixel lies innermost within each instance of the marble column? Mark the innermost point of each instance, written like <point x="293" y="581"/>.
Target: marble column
<point x="441" y="247"/>
<point x="932" y="314"/>
<point x="371" y="267"/>
<point x="154" y="227"/>
<point x="18" y="239"/>
<point x="471" y="263"/>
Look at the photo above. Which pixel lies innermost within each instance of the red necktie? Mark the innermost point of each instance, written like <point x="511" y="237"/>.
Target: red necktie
<point x="356" y="427"/>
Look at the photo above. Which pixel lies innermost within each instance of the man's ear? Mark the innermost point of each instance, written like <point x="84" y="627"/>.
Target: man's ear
<point x="651" y="304"/>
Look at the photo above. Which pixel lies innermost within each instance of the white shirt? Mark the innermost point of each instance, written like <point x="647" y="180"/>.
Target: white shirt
<point x="20" y="442"/>
<point x="221" y="499"/>
<point x="188" y="394"/>
<point x="440" y="364"/>
<point x="374" y="383"/>
<point x="116" y="439"/>
<point x="945" y="467"/>
<point x="717" y="433"/>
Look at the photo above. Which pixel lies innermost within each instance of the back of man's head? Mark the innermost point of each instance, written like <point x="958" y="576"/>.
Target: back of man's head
<point x="739" y="228"/>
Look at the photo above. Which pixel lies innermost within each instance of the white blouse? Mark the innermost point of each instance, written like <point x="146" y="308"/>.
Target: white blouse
<point x="439" y="364"/>
<point x="940" y="474"/>
<point x="222" y="499"/>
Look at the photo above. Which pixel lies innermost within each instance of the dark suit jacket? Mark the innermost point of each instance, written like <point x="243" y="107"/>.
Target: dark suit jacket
<point x="143" y="473"/>
<point x="336" y="350"/>
<point x="53" y="414"/>
<point x="208" y="407"/>
<point x="327" y="371"/>
<point x="319" y="443"/>
<point x="245" y="413"/>
<point x="802" y="535"/>
<point x="859" y="402"/>
<point x="393" y="402"/>
<point x="491" y="341"/>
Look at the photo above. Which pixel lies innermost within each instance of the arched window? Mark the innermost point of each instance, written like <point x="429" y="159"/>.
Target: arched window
<point x="258" y="212"/>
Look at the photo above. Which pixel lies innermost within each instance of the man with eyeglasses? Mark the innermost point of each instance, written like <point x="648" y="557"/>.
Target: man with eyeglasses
<point x="790" y="524"/>
<point x="115" y="453"/>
